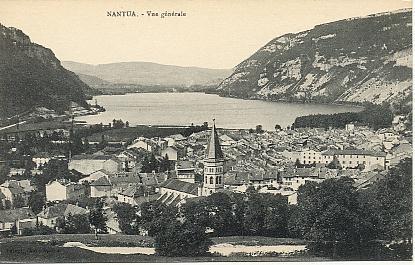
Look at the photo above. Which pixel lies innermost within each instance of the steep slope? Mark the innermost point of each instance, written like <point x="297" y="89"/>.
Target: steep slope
<point x="92" y="81"/>
<point x="31" y="75"/>
<point x="144" y="73"/>
<point x="352" y="60"/>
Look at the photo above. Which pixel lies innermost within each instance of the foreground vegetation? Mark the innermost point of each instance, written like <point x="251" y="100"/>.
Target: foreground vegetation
<point x="42" y="252"/>
<point x="336" y="220"/>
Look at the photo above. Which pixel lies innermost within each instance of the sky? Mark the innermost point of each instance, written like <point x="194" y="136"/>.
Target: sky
<point x="213" y="34"/>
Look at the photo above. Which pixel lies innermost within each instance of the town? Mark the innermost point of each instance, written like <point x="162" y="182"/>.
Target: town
<point x="44" y="182"/>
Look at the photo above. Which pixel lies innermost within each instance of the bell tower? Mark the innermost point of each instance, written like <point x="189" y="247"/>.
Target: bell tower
<point x="213" y="165"/>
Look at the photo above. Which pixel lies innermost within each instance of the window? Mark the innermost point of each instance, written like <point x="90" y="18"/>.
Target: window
<point x="351" y="156"/>
<point x="350" y="162"/>
<point x="211" y="180"/>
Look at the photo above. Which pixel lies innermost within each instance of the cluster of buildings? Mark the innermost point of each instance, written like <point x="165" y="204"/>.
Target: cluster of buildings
<point x="208" y="162"/>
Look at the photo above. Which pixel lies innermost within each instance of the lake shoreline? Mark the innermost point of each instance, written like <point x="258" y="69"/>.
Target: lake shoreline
<point x="185" y="108"/>
<point x="345" y="104"/>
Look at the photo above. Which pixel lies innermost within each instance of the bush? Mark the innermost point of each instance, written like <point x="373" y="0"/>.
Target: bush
<point x="182" y="240"/>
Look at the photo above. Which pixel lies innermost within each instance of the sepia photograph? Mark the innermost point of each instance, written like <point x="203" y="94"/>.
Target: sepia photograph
<point x="189" y="131"/>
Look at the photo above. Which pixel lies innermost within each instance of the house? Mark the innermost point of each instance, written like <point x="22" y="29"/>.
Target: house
<point x="20" y="218"/>
<point x="88" y="164"/>
<point x="62" y="190"/>
<point x="174" y="139"/>
<point x="96" y="175"/>
<point x="185" y="171"/>
<point x="226" y="140"/>
<point x="122" y="181"/>
<point x="49" y="215"/>
<point x="127" y="162"/>
<point x="152" y="179"/>
<point x="137" y="194"/>
<point x="171" y="152"/>
<point x="100" y="188"/>
<point x="42" y="158"/>
<point x="354" y="158"/>
<point x="14" y="194"/>
<point x="174" y="191"/>
<point x="149" y="145"/>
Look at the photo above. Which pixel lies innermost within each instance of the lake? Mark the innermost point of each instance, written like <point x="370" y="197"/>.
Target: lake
<point x="187" y="108"/>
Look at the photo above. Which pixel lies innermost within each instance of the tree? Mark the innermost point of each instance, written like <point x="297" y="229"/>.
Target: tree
<point x="150" y="164"/>
<point x="165" y="164"/>
<point x="182" y="239"/>
<point x="298" y="163"/>
<point x="278" y="127"/>
<point x="18" y="202"/>
<point x="330" y="216"/>
<point x="74" y="224"/>
<point x="36" y="201"/>
<point x="38" y="230"/>
<point x="334" y="164"/>
<point x="126" y="216"/>
<point x="390" y="200"/>
<point x="54" y="169"/>
<point x="97" y="217"/>
<point x="258" y="129"/>
<point x="4" y="172"/>
<point x="155" y="216"/>
<point x="214" y="212"/>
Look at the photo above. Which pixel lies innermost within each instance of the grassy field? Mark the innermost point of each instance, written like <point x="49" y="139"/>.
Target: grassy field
<point x="49" y="249"/>
<point x="88" y="239"/>
<point x="41" y="252"/>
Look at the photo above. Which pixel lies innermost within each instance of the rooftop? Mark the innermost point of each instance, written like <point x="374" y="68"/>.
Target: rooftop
<point x="182" y="186"/>
<point x="214" y="150"/>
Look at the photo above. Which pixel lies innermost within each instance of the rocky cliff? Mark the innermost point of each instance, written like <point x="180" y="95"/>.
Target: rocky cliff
<point x="353" y="60"/>
<point x="31" y="75"/>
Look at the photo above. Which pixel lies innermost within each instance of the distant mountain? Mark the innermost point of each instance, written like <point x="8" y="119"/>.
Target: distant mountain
<point x="31" y="75"/>
<point x="351" y="60"/>
<point x="92" y="81"/>
<point x="149" y="74"/>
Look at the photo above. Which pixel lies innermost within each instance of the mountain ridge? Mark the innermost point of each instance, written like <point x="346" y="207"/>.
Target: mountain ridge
<point x="149" y="73"/>
<point x="351" y="60"/>
<point x="32" y="76"/>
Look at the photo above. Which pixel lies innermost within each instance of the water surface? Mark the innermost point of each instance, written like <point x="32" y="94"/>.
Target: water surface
<point x="187" y="108"/>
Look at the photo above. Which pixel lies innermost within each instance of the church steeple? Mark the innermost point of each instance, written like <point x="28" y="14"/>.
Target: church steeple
<point x="213" y="165"/>
<point x="213" y="149"/>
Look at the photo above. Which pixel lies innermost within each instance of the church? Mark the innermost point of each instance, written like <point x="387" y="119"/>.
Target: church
<point x="176" y="190"/>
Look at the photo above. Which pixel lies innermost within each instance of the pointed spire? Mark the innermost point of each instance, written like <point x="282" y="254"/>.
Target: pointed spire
<point x="213" y="149"/>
